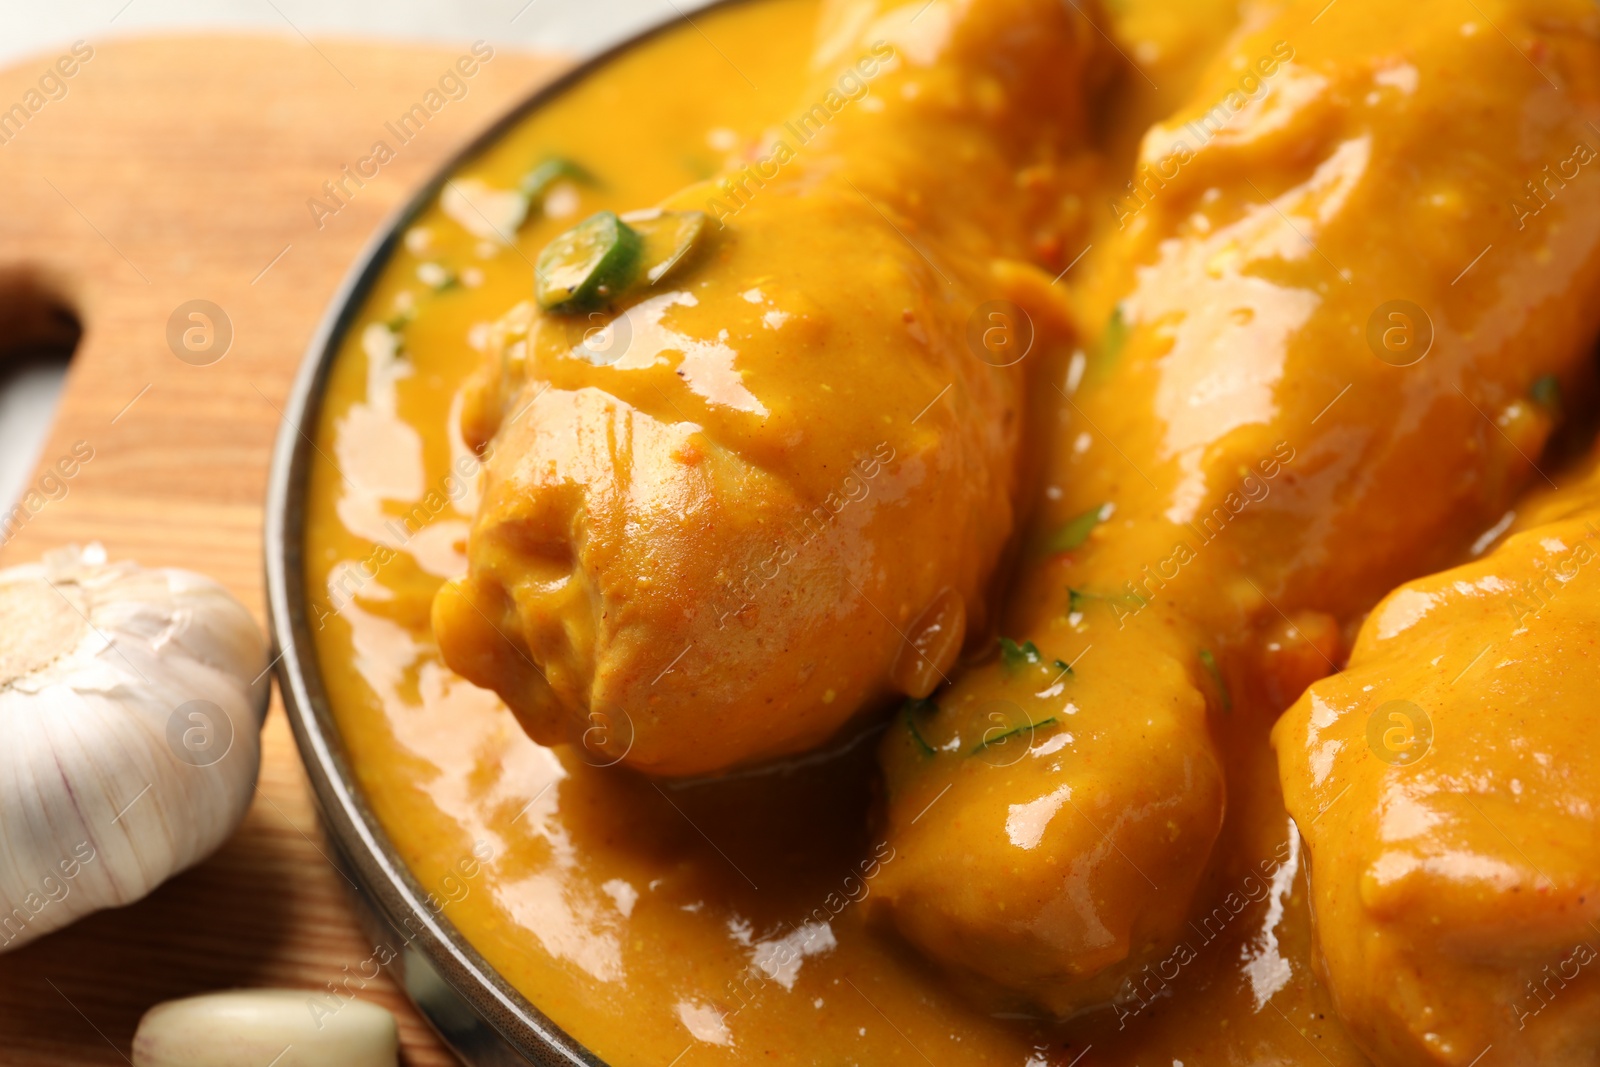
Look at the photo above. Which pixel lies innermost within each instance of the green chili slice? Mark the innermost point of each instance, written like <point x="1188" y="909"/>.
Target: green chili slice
<point x="589" y="265"/>
<point x="671" y="240"/>
<point x="538" y="181"/>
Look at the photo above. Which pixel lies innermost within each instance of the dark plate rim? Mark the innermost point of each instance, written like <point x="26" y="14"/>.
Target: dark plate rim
<point x="385" y="882"/>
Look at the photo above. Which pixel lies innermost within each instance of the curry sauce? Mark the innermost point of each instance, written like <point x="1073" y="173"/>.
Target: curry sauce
<point x="745" y="918"/>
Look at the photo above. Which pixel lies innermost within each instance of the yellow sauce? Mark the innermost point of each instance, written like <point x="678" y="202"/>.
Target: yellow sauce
<point x="735" y="921"/>
<point x="649" y="920"/>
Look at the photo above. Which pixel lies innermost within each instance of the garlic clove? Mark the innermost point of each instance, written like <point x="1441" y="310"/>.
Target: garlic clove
<point x="255" y="1027"/>
<point x="131" y="703"/>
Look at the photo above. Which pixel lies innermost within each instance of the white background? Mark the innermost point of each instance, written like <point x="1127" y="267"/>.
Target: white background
<point x="28" y="397"/>
<point x="28" y="26"/>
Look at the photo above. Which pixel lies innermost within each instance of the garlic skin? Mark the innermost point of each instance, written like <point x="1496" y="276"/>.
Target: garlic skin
<point x="131" y="703"/>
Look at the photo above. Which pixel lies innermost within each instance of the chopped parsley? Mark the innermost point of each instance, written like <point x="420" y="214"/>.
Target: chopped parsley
<point x="1209" y="661"/>
<point x="1077" y="529"/>
<point x="400" y="320"/>
<point x="911" y="709"/>
<point x="1077" y="599"/>
<point x="1014" y="656"/>
<point x="1546" y="392"/>
<point x="999" y="739"/>
<point x="1114" y="338"/>
<point x="1063" y="666"/>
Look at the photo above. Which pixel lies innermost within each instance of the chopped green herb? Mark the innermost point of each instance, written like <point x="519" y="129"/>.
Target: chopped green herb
<point x="911" y="709"/>
<point x="1113" y="339"/>
<point x="699" y="167"/>
<point x="587" y="266"/>
<point x="1546" y="392"/>
<point x="1209" y="661"/>
<point x="1063" y="666"/>
<point x="1076" y="599"/>
<point x="1014" y="656"/>
<point x="1000" y="739"/>
<point x="1077" y="530"/>
<point x="537" y="182"/>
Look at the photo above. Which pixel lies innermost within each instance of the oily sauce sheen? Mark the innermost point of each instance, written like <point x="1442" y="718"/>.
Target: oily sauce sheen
<point x="733" y="920"/>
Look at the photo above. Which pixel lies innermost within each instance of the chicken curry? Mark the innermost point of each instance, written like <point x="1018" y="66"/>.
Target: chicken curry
<point x="962" y="532"/>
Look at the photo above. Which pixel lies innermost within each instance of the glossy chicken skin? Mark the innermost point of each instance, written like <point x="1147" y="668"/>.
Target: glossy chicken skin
<point x="705" y="552"/>
<point x="1446" y="786"/>
<point x="1237" y="471"/>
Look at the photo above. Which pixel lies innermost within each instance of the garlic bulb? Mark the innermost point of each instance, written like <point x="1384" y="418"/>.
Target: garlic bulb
<point x="131" y="703"/>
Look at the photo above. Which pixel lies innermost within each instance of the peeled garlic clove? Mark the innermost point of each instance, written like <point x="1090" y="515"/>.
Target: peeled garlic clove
<point x="131" y="703"/>
<point x="256" y="1027"/>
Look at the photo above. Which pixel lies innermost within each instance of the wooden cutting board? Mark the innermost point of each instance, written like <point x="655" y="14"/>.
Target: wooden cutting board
<point x="173" y="170"/>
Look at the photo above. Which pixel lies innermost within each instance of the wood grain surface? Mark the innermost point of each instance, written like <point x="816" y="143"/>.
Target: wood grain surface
<point x="172" y="170"/>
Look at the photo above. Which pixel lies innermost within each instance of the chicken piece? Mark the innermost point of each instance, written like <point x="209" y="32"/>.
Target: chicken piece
<point x="1448" y="786"/>
<point x="1238" y="473"/>
<point x="705" y="551"/>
